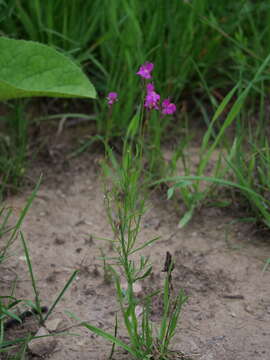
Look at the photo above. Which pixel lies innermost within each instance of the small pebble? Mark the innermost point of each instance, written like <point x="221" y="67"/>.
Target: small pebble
<point x="42" y="346"/>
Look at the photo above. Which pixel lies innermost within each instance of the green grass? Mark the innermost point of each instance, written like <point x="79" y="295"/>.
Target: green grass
<point x="10" y="304"/>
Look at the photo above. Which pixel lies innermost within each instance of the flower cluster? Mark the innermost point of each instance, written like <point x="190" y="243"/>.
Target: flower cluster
<point x="152" y="98"/>
<point x="168" y="108"/>
<point x="112" y="98"/>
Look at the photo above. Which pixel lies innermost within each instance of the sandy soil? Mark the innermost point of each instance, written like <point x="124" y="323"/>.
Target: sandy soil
<point x="227" y="316"/>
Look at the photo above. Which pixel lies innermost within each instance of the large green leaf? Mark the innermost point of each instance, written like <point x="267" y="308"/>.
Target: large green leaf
<point x="29" y="69"/>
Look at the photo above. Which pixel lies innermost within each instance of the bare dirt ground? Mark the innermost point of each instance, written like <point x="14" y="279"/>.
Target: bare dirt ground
<point x="227" y="316"/>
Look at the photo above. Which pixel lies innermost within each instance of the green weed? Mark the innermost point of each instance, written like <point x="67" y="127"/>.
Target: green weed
<point x="125" y="196"/>
<point x="9" y="313"/>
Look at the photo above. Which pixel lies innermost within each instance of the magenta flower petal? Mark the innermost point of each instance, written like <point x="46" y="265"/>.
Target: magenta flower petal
<point x="168" y="108"/>
<point x="112" y="98"/>
<point x="150" y="88"/>
<point x="149" y="66"/>
<point x="151" y="100"/>
<point x="166" y="102"/>
<point x="145" y="70"/>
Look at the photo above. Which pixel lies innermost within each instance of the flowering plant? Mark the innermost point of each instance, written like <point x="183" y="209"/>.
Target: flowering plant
<point x="168" y="108"/>
<point x="145" y="70"/>
<point x="125" y="204"/>
<point x="112" y="98"/>
<point x="152" y="98"/>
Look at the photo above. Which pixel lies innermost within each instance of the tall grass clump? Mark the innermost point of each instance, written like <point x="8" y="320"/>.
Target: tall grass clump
<point x="68" y="26"/>
<point x="171" y="36"/>
<point x="243" y="163"/>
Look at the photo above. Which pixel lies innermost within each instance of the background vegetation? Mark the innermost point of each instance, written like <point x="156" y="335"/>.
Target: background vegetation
<point x="201" y="50"/>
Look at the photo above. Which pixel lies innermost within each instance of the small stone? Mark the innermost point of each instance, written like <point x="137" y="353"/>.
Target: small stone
<point x="52" y="325"/>
<point x="44" y="345"/>
<point x="23" y="258"/>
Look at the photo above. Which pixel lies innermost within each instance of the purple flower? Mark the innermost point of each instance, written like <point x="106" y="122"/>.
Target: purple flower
<point x="145" y="70"/>
<point x="112" y="98"/>
<point x="152" y="98"/>
<point x="150" y="87"/>
<point x="168" y="108"/>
